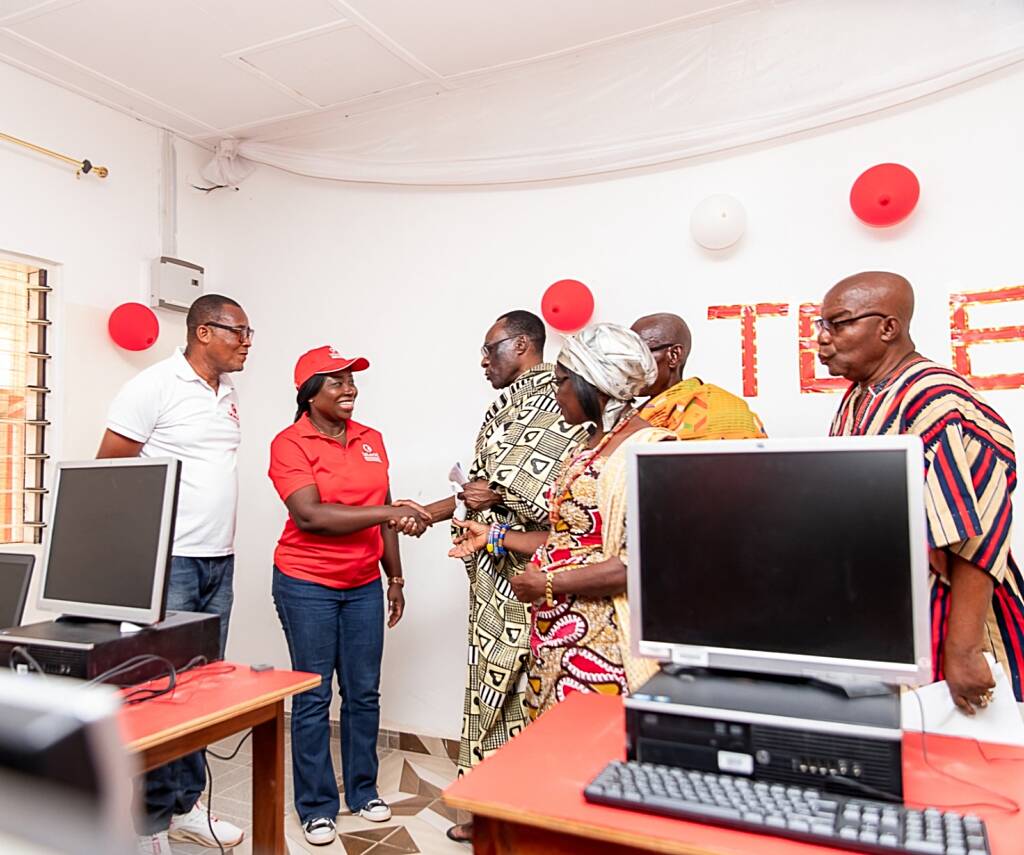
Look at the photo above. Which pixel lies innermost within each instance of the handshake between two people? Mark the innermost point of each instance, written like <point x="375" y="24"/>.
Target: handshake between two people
<point x="409" y="518"/>
<point x="412" y="518"/>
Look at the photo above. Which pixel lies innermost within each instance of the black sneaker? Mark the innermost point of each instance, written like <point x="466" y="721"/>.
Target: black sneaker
<point x="376" y="810"/>
<point x="319" y="831"/>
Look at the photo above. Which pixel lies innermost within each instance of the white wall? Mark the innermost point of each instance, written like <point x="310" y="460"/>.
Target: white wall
<point x="98" y="237"/>
<point x="412" y="278"/>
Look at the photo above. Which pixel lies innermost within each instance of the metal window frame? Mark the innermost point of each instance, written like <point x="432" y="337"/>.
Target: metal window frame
<point x="34" y="454"/>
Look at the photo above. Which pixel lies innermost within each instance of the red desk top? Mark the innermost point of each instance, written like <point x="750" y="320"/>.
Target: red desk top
<point x="204" y="696"/>
<point x="538" y="780"/>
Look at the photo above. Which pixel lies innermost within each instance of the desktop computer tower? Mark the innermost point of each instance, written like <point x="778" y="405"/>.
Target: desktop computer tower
<point x="781" y="730"/>
<point x="87" y="648"/>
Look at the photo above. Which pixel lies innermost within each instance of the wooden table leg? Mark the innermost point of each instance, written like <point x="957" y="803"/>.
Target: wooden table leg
<point x="268" y="785"/>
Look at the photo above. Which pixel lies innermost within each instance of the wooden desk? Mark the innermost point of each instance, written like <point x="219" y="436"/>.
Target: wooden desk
<point x="210" y="704"/>
<point x="528" y="798"/>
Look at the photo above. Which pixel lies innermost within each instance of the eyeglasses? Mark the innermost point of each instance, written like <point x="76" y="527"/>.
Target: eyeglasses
<point x="243" y="333"/>
<point x="489" y="349"/>
<point x="832" y="326"/>
<point x="658" y="347"/>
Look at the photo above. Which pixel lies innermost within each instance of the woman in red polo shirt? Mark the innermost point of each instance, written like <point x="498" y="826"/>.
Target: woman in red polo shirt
<point x="332" y="474"/>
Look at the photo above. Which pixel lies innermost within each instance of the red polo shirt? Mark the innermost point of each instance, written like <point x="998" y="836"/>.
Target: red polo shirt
<point x="355" y="474"/>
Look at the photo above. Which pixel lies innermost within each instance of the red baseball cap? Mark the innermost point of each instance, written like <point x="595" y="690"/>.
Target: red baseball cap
<point x="326" y="360"/>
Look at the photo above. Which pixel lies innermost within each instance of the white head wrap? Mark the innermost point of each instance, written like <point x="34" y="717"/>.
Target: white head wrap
<point x="615" y="360"/>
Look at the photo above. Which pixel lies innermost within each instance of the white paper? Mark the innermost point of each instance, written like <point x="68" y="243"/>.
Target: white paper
<point x="457" y="478"/>
<point x="999" y="722"/>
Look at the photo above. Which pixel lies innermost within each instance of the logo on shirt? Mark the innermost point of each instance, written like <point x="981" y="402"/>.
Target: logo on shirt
<point x="369" y="455"/>
<point x="233" y="412"/>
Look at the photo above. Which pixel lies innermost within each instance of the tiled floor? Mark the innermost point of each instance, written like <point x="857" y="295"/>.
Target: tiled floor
<point x="408" y="781"/>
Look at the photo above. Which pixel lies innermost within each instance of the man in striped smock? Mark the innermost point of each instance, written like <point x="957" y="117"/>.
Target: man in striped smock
<point x="970" y="472"/>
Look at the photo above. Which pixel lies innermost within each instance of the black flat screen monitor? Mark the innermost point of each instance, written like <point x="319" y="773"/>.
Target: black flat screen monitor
<point x="790" y="556"/>
<point x="15" y="576"/>
<point x="108" y="546"/>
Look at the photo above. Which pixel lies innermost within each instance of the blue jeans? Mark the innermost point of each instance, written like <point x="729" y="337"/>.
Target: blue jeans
<point x="333" y="631"/>
<point x="195" y="585"/>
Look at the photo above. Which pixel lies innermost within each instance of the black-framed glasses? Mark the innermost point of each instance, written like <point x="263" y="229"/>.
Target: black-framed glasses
<point x="831" y="326"/>
<point x="658" y="347"/>
<point x="488" y="349"/>
<point x="243" y="333"/>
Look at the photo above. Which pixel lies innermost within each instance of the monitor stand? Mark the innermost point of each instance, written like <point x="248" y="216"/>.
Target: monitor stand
<point x="850" y="685"/>
<point x="123" y="626"/>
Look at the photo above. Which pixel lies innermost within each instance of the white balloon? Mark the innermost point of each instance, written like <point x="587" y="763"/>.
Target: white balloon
<point x="718" y="221"/>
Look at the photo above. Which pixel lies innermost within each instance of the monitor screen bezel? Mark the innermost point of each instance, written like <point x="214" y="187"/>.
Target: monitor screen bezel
<point x="916" y="672"/>
<point x="154" y="612"/>
<point x="24" y="562"/>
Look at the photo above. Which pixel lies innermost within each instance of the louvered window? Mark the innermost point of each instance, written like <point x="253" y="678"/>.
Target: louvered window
<point x="23" y="392"/>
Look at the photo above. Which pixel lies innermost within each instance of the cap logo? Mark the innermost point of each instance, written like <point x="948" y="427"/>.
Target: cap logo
<point x="333" y="351"/>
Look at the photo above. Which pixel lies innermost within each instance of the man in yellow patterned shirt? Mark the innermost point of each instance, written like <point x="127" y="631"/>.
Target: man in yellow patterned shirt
<point x="692" y="409"/>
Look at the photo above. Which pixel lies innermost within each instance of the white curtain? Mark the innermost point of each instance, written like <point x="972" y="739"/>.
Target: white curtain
<point x="649" y="100"/>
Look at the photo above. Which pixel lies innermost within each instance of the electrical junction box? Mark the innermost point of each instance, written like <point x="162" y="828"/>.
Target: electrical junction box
<point x="175" y="284"/>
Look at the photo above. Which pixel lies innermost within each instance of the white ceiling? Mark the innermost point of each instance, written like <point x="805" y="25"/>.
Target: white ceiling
<point x="209" y="69"/>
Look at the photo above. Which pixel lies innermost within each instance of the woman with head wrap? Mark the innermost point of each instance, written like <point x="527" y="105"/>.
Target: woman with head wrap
<point x="577" y="577"/>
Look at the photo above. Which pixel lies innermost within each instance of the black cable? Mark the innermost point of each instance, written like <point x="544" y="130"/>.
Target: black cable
<point x="137" y="696"/>
<point x="209" y="800"/>
<point x="130" y="665"/>
<point x="866" y="788"/>
<point x="30" y="660"/>
<point x="238" y="748"/>
<point x="209" y="783"/>
<point x="924" y="753"/>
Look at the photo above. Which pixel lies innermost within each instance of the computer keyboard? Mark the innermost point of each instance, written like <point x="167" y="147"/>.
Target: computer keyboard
<point x="800" y="813"/>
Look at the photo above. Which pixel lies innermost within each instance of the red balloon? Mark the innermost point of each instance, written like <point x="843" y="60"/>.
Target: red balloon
<point x="567" y="305"/>
<point x="885" y="194"/>
<point x="133" y="326"/>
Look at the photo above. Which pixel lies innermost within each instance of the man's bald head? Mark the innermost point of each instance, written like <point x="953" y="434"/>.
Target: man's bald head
<point x="668" y="338"/>
<point x="865" y="327"/>
<point x="874" y="291"/>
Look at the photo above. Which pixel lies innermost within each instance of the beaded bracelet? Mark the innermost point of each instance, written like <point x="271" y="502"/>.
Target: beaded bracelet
<point x="496" y="539"/>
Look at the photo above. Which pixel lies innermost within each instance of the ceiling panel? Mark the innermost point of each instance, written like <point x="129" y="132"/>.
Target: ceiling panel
<point x="459" y="36"/>
<point x="54" y="69"/>
<point x="169" y="51"/>
<point x="252" y="22"/>
<point x="204" y="67"/>
<point x="12" y="8"/>
<point x="331" y="120"/>
<point x="334" y="66"/>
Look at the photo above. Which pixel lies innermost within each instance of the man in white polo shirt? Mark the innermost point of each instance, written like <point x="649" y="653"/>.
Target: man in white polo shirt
<point x="185" y="407"/>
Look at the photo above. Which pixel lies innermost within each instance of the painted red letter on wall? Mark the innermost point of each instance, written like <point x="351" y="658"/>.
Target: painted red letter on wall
<point x="807" y="347"/>
<point x="962" y="336"/>
<point x="748" y="316"/>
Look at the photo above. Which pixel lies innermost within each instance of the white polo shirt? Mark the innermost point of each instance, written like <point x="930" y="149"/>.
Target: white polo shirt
<point x="173" y="412"/>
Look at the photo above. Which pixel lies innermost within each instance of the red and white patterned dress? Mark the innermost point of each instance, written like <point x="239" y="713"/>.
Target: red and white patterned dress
<point x="575" y="646"/>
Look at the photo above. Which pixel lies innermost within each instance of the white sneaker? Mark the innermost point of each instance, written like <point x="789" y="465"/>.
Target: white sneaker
<point x="376" y="810"/>
<point x="153" y="844"/>
<point x="319" y="831"/>
<point x="194" y="827"/>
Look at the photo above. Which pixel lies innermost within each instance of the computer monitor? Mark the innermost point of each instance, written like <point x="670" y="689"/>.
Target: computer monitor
<point x="65" y="779"/>
<point x="108" y="545"/>
<point x="801" y="557"/>
<point x="15" y="576"/>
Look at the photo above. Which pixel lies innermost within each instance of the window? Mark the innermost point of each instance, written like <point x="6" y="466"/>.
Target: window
<point x="23" y="391"/>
